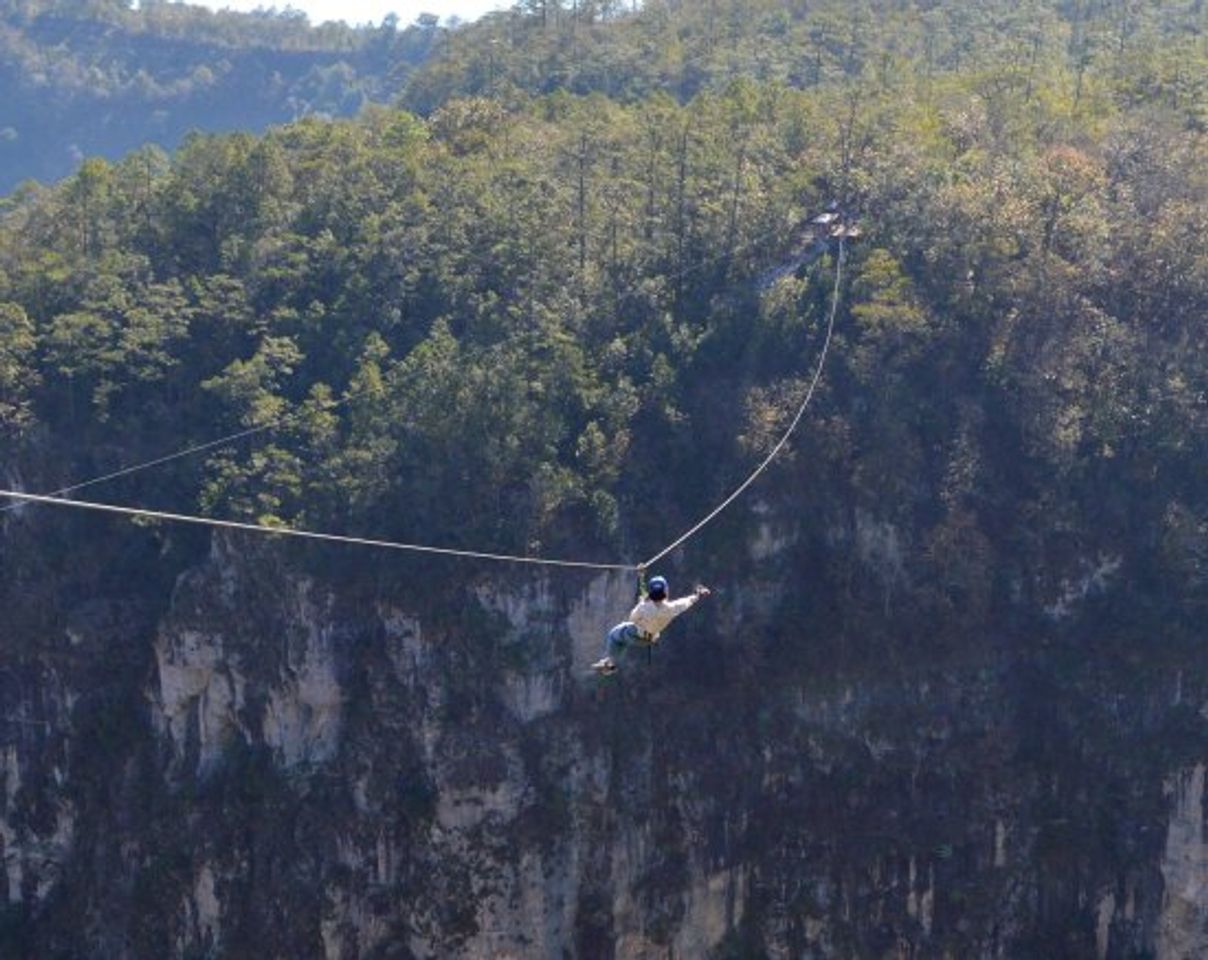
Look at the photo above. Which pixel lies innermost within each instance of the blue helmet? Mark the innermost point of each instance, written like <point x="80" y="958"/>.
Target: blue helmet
<point x="658" y="588"/>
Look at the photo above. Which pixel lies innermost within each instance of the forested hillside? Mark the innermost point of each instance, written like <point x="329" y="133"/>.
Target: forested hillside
<point x="1148" y="51"/>
<point x="587" y="262"/>
<point x="84" y="78"/>
<point x="948" y="700"/>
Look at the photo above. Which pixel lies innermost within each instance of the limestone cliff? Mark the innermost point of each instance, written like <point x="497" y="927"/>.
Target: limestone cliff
<point x="279" y="762"/>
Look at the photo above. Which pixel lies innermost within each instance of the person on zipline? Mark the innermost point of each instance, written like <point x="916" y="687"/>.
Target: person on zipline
<point x="646" y="621"/>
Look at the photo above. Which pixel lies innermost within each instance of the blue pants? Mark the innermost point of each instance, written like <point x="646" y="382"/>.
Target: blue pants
<point x="619" y="638"/>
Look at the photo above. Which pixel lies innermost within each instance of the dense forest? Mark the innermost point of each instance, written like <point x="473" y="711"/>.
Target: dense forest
<point x="540" y="305"/>
<point x="560" y="294"/>
<point x="84" y="78"/>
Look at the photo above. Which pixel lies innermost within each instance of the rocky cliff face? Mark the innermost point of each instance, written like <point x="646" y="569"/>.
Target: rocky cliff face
<point x="267" y="760"/>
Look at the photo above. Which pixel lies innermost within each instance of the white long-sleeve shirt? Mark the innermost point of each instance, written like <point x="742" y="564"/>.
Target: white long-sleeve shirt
<point x="652" y="618"/>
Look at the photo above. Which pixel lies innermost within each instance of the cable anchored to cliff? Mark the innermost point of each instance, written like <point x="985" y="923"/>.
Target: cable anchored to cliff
<point x="136" y="467"/>
<point x="179" y="454"/>
<point x="55" y="500"/>
<point x="286" y="418"/>
<point x="305" y="534"/>
<point x="809" y="395"/>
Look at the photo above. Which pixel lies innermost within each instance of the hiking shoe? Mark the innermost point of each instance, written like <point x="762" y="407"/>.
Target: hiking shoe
<point x="604" y="667"/>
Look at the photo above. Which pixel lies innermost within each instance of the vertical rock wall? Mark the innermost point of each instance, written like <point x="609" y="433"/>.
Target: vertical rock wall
<point x="287" y="764"/>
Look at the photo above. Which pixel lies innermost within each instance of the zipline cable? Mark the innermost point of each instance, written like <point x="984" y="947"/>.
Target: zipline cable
<point x="231" y="438"/>
<point x="186" y="452"/>
<point x="449" y="551"/>
<point x="809" y="395"/>
<point x="134" y="468"/>
<point x="306" y="534"/>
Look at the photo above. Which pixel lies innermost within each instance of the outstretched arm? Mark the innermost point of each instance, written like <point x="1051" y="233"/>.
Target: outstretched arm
<point x="684" y="603"/>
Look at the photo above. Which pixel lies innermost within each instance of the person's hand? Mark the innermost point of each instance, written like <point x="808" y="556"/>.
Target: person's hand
<point x="703" y="592"/>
